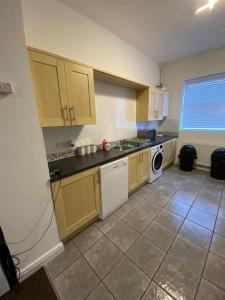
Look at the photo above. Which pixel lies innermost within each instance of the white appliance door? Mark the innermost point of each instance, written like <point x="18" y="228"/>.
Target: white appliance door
<point x="157" y="161"/>
<point x="114" y="186"/>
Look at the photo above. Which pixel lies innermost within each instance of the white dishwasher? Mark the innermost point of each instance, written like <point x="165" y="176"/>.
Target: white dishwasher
<point x="114" y="186"/>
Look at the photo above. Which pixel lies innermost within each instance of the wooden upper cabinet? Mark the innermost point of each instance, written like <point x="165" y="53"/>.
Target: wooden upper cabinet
<point x="150" y="104"/>
<point x="64" y="90"/>
<point x="50" y="89"/>
<point x="80" y="85"/>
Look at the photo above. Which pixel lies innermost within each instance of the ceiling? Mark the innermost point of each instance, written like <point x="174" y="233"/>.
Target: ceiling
<point x="166" y="30"/>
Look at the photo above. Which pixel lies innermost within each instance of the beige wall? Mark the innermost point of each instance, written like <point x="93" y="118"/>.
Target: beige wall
<point x="174" y="75"/>
<point x="24" y="183"/>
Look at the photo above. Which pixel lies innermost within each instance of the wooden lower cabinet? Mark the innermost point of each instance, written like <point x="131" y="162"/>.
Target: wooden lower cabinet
<point x="138" y="168"/>
<point x="78" y="201"/>
<point x="169" y="152"/>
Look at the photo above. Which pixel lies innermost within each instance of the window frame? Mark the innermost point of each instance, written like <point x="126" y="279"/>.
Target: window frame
<point x="196" y="80"/>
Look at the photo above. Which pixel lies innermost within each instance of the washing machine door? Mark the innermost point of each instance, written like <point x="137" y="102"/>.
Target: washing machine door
<point x="157" y="161"/>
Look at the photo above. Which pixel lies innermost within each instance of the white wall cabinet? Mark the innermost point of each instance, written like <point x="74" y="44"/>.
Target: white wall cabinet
<point x="152" y="104"/>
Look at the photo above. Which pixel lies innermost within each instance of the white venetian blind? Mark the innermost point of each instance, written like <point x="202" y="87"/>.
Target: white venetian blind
<point x="203" y="105"/>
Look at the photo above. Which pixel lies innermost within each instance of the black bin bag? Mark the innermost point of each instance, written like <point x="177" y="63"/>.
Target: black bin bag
<point x="187" y="157"/>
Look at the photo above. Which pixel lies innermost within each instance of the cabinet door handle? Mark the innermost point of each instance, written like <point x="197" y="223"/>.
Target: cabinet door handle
<point x="65" y="113"/>
<point x="72" y="113"/>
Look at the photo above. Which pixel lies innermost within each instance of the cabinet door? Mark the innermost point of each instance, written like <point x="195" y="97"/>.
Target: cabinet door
<point x="78" y="202"/>
<point x="172" y="152"/>
<point x="80" y="86"/>
<point x="159" y="106"/>
<point x="133" y="171"/>
<point x="49" y="81"/>
<point x="165" y="103"/>
<point x="152" y="104"/>
<point x="144" y="165"/>
<point x="166" y="154"/>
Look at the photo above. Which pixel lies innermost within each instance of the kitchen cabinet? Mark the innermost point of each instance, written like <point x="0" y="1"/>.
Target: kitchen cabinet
<point x="138" y="168"/>
<point x="64" y="90"/>
<point x="169" y="152"/>
<point x="78" y="201"/>
<point x="80" y="85"/>
<point x="152" y="104"/>
<point x="50" y="89"/>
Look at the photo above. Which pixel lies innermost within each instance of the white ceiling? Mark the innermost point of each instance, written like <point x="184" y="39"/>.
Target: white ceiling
<point x="166" y="30"/>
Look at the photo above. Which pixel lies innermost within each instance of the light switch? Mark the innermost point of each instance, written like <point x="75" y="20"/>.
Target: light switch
<point x="6" y="88"/>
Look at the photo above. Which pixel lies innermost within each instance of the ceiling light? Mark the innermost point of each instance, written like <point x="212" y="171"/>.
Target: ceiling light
<point x="210" y="5"/>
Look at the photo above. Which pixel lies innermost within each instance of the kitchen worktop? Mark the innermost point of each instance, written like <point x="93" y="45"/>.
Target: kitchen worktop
<point x="75" y="164"/>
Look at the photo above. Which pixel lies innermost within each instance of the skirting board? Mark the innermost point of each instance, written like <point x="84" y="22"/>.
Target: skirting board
<point x="40" y="261"/>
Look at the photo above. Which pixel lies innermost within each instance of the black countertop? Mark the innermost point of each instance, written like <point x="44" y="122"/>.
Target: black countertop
<point x="75" y="164"/>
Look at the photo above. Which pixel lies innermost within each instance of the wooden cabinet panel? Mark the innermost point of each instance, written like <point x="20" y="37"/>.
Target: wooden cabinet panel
<point x="133" y="171"/>
<point x="50" y="89"/>
<point x="169" y="152"/>
<point x="144" y="165"/>
<point x="80" y="85"/>
<point x="152" y="104"/>
<point x="78" y="202"/>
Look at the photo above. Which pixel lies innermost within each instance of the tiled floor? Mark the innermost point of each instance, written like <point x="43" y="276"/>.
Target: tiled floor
<point x="167" y="242"/>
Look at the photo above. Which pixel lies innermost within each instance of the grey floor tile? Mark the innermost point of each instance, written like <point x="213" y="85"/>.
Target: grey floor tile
<point x="149" y="208"/>
<point x="196" y="234"/>
<point x="134" y="200"/>
<point x="220" y="226"/>
<point x="222" y="203"/>
<point x="218" y="245"/>
<point x="165" y="190"/>
<point x="184" y="196"/>
<point x="146" y="255"/>
<point x="159" y="235"/>
<point x="77" y="281"/>
<point x="123" y="236"/>
<point x="208" y="291"/>
<point x="176" y="279"/>
<point x="137" y="220"/>
<point x="170" y="220"/>
<point x="189" y="254"/>
<point x="63" y="260"/>
<point x="215" y="270"/>
<point x="157" y="199"/>
<point x="100" y="293"/>
<point x="221" y="213"/>
<point x="206" y="206"/>
<point x="107" y="224"/>
<point x="201" y="218"/>
<point x="177" y="208"/>
<point x="122" y="212"/>
<point x="103" y="256"/>
<point x="210" y="196"/>
<point x="155" y="292"/>
<point x="126" y="281"/>
<point x="87" y="238"/>
<point x="141" y="193"/>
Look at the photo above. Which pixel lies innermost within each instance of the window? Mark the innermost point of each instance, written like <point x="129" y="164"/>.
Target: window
<point x="203" y="106"/>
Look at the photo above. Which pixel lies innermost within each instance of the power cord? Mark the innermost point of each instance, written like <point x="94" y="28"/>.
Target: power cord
<point x="56" y="173"/>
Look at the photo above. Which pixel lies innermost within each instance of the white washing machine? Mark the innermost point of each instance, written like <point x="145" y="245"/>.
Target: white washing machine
<point x="156" y="162"/>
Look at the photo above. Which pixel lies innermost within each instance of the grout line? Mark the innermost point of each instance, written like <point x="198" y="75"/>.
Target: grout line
<point x="213" y="231"/>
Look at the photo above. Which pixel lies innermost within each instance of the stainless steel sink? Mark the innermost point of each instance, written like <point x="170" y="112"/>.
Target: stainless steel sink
<point x="125" y="147"/>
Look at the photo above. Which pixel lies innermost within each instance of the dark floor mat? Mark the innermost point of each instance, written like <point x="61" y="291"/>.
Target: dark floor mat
<point x="36" y="287"/>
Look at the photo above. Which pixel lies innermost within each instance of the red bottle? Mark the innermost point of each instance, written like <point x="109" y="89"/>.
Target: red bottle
<point x="104" y="142"/>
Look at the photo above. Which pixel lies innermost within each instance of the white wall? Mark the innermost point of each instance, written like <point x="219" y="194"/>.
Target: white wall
<point x="24" y="173"/>
<point x="54" y="27"/>
<point x="174" y="75"/>
<point x="115" y="119"/>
